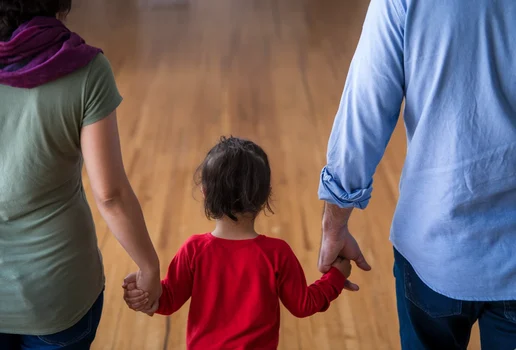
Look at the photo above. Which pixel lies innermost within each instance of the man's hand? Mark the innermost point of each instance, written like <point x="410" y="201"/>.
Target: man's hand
<point x="136" y="297"/>
<point x="343" y="245"/>
<point x="338" y="241"/>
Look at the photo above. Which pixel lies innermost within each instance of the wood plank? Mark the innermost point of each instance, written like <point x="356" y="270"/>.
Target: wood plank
<point x="272" y="71"/>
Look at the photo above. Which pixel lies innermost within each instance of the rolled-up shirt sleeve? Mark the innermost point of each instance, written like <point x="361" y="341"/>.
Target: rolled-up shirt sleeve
<point x="369" y="108"/>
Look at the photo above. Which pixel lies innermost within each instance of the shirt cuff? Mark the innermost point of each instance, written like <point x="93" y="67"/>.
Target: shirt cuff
<point x="163" y="302"/>
<point x="331" y="191"/>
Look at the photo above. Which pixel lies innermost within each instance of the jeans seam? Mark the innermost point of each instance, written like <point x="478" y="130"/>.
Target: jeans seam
<point x="508" y="312"/>
<point x="75" y="340"/>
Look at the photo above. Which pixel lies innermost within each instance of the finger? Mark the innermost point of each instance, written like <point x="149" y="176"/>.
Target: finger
<point x="139" y="306"/>
<point x="132" y="286"/>
<point x="137" y="299"/>
<point x="362" y="263"/>
<point x="150" y="311"/>
<point x="132" y="307"/>
<point x="324" y="268"/>
<point x="150" y="307"/>
<point x="136" y="303"/>
<point x="352" y="287"/>
<point x="140" y="309"/>
<point x="136" y="308"/>
<point x="131" y="278"/>
<point x="325" y="263"/>
<point x="135" y="293"/>
<point x="129" y="286"/>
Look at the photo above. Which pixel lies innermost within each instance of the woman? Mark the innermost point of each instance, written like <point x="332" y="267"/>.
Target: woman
<point x="58" y="101"/>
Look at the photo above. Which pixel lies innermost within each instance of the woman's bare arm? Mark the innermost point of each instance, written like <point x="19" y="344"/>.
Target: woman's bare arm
<point x="116" y="200"/>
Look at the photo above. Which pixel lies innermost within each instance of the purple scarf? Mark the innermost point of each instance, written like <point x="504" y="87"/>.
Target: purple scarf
<point x="40" y="51"/>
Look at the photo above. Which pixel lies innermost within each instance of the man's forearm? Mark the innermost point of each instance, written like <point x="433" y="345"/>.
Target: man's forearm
<point x="335" y="218"/>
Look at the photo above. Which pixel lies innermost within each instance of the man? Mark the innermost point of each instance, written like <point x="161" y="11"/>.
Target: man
<point x="454" y="230"/>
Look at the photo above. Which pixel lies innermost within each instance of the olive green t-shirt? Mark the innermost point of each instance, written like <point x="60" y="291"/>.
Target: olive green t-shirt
<point x="51" y="269"/>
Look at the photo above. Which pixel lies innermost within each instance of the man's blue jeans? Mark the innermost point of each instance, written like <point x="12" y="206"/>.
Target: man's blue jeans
<point x="429" y="320"/>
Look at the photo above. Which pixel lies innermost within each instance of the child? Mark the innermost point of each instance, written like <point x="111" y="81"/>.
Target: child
<point x="235" y="276"/>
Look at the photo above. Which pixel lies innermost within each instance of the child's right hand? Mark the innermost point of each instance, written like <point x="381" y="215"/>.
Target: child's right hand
<point x="343" y="265"/>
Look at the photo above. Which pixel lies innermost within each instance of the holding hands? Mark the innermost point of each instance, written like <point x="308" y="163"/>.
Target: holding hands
<point x="343" y="265"/>
<point x="338" y="243"/>
<point x="142" y="292"/>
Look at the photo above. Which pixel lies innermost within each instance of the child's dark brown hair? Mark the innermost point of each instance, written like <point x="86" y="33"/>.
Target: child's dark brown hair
<point x="236" y="179"/>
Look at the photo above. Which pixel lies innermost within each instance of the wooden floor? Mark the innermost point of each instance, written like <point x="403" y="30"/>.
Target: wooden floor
<point x="268" y="70"/>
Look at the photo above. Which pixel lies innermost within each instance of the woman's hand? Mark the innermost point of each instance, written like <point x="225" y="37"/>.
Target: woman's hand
<point x="135" y="298"/>
<point x="142" y="292"/>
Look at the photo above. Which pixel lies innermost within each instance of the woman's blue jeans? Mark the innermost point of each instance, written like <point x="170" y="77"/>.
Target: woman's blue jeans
<point x="78" y="337"/>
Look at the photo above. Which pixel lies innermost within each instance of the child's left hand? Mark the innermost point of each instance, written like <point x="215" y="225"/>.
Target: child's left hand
<point x="343" y="265"/>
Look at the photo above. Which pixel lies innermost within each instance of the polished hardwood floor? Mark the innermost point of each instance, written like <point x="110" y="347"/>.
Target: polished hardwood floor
<point x="269" y="70"/>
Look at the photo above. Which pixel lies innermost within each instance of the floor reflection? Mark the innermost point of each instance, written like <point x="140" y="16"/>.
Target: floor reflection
<point x="160" y="4"/>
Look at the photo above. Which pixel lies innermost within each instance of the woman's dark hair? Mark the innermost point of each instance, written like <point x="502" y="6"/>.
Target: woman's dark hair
<point x="14" y="13"/>
<point x="236" y="179"/>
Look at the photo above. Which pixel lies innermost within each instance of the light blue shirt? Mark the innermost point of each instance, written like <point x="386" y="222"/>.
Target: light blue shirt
<point x="454" y="62"/>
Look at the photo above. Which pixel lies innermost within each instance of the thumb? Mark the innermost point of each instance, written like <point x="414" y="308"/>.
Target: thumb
<point x="325" y="262"/>
<point x="131" y="278"/>
<point x="362" y="263"/>
<point x="323" y="268"/>
<point x="150" y="312"/>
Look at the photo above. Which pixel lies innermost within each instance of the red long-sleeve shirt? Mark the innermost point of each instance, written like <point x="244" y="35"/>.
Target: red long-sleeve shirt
<point x="235" y="288"/>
